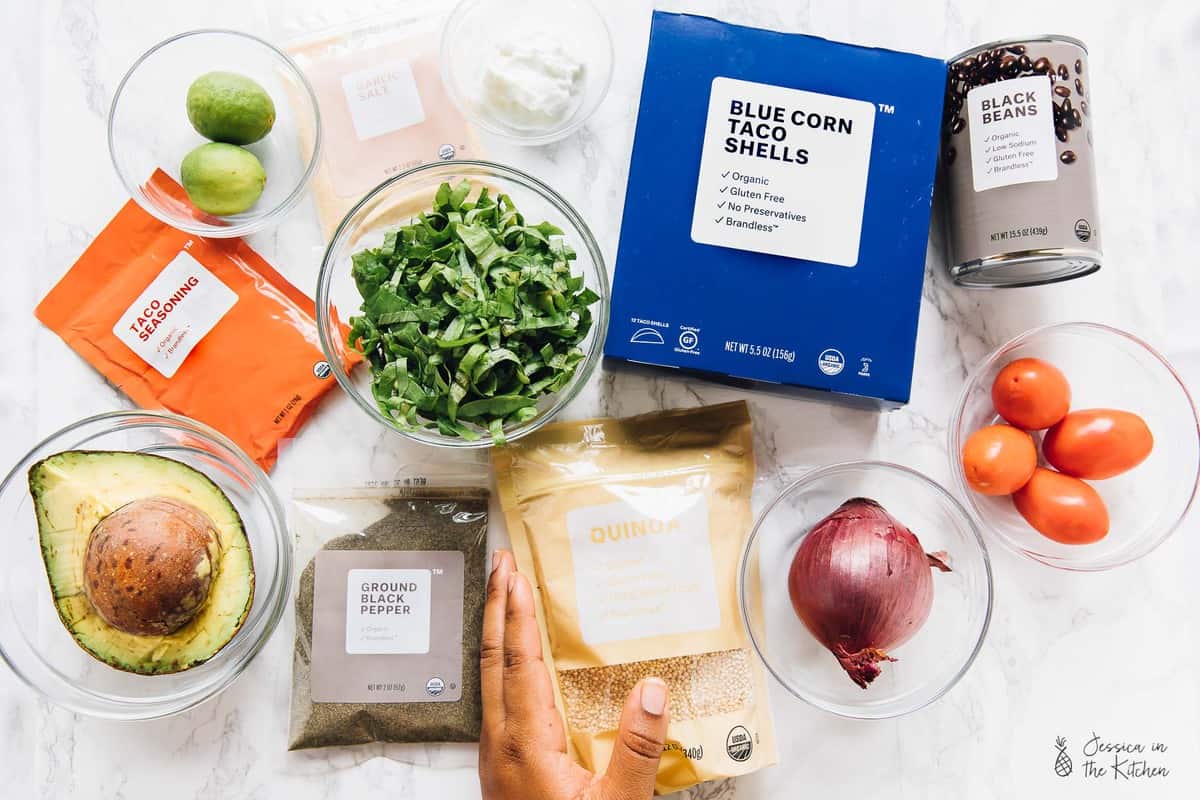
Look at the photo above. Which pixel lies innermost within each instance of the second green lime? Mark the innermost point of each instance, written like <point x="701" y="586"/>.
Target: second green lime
<point x="222" y="178"/>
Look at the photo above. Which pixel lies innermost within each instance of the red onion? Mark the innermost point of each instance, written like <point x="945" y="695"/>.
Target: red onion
<point x="861" y="584"/>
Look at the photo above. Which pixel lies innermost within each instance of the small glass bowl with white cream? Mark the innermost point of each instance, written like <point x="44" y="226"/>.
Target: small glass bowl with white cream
<point x="529" y="71"/>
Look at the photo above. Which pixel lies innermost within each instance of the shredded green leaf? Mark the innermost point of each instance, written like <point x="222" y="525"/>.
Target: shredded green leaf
<point x="469" y="316"/>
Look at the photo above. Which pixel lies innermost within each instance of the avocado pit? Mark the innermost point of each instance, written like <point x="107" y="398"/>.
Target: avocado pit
<point x="149" y="565"/>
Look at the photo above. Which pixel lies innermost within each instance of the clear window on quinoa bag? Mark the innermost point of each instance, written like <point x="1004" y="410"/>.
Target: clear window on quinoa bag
<point x="384" y="109"/>
<point x="632" y="530"/>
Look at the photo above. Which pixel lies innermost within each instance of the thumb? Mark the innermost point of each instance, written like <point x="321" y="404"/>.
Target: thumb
<point x="639" y="745"/>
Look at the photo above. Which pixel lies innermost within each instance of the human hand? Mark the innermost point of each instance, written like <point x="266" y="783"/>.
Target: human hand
<point x="523" y="747"/>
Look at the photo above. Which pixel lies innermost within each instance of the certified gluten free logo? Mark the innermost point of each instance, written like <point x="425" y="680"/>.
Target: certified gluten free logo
<point x="688" y="340"/>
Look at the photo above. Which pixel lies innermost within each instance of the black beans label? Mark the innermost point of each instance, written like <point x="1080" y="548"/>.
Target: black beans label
<point x="1012" y="133"/>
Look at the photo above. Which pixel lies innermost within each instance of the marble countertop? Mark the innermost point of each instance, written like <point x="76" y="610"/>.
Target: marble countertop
<point x="1068" y="655"/>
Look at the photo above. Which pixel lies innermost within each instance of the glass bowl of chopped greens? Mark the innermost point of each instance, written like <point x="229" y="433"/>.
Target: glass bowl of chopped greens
<point x="477" y="296"/>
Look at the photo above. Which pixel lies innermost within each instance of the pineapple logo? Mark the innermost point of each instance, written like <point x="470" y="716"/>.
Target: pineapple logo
<point x="1062" y="764"/>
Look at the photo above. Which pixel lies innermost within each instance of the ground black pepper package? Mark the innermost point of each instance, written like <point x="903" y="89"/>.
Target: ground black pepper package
<point x="388" y="615"/>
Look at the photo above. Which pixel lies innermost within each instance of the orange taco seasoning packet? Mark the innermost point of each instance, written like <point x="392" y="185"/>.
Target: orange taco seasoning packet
<point x="202" y="327"/>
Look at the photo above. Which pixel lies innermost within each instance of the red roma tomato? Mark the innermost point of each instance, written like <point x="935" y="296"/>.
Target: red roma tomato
<point x="1098" y="443"/>
<point x="1031" y="394"/>
<point x="1062" y="508"/>
<point x="999" y="459"/>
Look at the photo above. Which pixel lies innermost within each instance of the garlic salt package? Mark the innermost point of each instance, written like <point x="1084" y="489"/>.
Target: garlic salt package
<point x="384" y="108"/>
<point x="632" y="531"/>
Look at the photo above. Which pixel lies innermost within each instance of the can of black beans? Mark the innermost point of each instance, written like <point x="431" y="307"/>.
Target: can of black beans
<point x="1018" y="165"/>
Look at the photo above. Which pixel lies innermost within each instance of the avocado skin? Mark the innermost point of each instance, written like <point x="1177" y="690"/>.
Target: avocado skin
<point x="222" y="179"/>
<point x="231" y="108"/>
<point x="72" y="491"/>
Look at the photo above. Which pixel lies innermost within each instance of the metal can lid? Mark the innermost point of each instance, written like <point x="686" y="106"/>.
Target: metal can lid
<point x="1045" y="37"/>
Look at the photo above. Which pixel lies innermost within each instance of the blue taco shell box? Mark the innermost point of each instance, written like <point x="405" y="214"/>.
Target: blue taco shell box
<point x="777" y="211"/>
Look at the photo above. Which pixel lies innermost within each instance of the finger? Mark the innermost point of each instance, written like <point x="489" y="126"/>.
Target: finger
<point x="639" y="744"/>
<point x="528" y="694"/>
<point x="491" y="645"/>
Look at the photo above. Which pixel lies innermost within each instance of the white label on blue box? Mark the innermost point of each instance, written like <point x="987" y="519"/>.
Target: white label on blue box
<point x="1012" y="133"/>
<point x="783" y="171"/>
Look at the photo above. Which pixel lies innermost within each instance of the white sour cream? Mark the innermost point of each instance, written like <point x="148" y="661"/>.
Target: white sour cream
<point x="532" y="83"/>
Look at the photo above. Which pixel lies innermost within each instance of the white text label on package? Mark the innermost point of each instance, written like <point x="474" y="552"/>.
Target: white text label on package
<point x="1012" y="133"/>
<point x="173" y="313"/>
<point x="388" y="611"/>
<point x="783" y="171"/>
<point x="383" y="99"/>
<point x="643" y="569"/>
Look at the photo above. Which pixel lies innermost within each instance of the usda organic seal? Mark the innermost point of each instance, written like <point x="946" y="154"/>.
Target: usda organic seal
<point x="831" y="362"/>
<point x="739" y="744"/>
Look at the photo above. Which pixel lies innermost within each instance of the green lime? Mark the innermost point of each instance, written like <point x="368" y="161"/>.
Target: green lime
<point x="222" y="178"/>
<point x="228" y="107"/>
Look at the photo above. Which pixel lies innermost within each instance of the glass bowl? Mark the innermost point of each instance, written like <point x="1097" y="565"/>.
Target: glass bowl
<point x="33" y="640"/>
<point x="1107" y="368"/>
<point x="476" y="29"/>
<point x="929" y="663"/>
<point x="148" y="128"/>
<point x="397" y="200"/>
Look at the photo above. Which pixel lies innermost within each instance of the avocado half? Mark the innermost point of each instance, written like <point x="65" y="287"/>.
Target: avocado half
<point x="176" y="581"/>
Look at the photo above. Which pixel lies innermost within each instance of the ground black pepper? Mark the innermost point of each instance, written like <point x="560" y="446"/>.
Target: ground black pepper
<point x="428" y="519"/>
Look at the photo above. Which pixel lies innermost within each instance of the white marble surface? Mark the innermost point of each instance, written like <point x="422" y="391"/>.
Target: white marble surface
<point x="1067" y="654"/>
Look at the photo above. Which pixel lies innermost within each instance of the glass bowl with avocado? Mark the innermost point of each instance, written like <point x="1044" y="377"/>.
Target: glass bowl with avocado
<point x="231" y="121"/>
<point x="476" y="294"/>
<point x="148" y="562"/>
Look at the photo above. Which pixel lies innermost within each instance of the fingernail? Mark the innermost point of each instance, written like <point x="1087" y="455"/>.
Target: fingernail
<point x="512" y="582"/>
<point x="495" y="560"/>
<point x="654" y="697"/>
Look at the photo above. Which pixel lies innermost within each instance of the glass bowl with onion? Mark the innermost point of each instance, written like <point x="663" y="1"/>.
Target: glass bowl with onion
<point x="516" y="360"/>
<point x="528" y="71"/>
<point x="34" y="641"/>
<point x="149" y="129"/>
<point x="1100" y="370"/>
<point x="832" y="583"/>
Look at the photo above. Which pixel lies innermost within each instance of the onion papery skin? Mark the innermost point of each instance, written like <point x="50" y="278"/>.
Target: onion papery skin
<point x="862" y="585"/>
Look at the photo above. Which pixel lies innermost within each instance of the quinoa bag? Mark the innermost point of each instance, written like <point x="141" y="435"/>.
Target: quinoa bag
<point x="632" y="531"/>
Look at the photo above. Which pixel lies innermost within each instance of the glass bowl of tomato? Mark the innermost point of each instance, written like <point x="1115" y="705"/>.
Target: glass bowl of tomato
<point x="1116" y="438"/>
